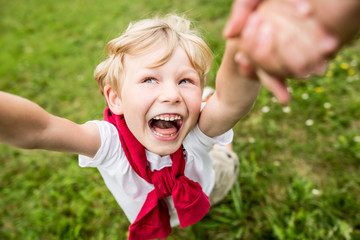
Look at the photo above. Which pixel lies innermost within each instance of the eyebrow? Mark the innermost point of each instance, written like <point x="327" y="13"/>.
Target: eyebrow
<point x="187" y="69"/>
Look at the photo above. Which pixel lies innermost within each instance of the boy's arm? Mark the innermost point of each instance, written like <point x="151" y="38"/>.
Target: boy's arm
<point x="24" y="124"/>
<point x="234" y="97"/>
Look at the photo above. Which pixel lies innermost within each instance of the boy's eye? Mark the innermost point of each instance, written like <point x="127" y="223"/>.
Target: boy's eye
<point x="149" y="80"/>
<point x="184" y="81"/>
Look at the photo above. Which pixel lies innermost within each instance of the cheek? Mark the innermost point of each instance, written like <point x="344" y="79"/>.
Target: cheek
<point x="195" y="106"/>
<point x="136" y="127"/>
<point x="193" y="102"/>
<point x="135" y="98"/>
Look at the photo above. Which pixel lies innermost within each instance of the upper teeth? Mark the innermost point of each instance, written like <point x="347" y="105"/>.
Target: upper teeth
<point x="167" y="118"/>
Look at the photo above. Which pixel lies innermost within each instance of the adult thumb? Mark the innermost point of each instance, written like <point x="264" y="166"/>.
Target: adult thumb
<point x="241" y="10"/>
<point x="275" y="85"/>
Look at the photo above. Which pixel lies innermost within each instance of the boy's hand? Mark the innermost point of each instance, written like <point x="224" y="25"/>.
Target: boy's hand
<point x="24" y="124"/>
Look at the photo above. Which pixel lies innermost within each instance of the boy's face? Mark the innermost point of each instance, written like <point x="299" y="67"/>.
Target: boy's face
<point x="162" y="104"/>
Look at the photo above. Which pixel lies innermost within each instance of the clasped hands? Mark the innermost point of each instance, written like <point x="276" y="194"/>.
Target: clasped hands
<point x="280" y="39"/>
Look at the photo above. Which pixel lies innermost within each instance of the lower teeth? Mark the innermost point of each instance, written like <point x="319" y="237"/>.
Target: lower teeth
<point x="162" y="135"/>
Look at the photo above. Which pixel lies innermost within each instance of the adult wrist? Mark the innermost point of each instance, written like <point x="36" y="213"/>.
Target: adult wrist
<point x="340" y="17"/>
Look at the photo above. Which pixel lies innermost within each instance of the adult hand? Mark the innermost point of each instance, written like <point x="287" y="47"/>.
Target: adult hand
<point x="283" y="39"/>
<point x="241" y="11"/>
<point x="285" y="42"/>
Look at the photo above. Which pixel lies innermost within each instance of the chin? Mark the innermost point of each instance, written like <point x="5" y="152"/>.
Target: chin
<point x="163" y="151"/>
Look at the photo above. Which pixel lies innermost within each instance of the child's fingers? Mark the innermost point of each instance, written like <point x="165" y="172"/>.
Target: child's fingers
<point x="275" y="85"/>
<point x="245" y="67"/>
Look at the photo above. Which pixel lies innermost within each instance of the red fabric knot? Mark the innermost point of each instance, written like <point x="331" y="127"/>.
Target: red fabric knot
<point x="153" y="220"/>
<point x="163" y="182"/>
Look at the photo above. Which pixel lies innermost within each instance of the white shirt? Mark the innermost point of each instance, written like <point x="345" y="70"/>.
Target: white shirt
<point x="129" y="189"/>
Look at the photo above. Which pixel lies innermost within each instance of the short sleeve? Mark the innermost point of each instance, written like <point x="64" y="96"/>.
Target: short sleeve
<point x="110" y="150"/>
<point x="225" y="138"/>
<point x="222" y="139"/>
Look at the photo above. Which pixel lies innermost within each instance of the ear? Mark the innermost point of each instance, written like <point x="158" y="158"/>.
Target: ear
<point x="113" y="100"/>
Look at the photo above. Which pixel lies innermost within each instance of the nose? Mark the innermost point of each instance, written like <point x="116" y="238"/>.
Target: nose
<point x="170" y="93"/>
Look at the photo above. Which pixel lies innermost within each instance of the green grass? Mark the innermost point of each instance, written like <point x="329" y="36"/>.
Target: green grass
<point x="300" y="164"/>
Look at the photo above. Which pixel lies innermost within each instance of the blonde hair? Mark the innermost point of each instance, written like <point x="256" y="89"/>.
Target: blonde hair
<point x="144" y="36"/>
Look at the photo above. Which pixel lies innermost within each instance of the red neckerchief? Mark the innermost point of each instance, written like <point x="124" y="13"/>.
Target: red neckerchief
<point x="153" y="220"/>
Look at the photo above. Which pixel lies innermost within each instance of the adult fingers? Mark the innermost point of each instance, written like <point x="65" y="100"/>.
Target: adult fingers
<point x="308" y="56"/>
<point x="302" y="8"/>
<point x="240" y="12"/>
<point x="258" y="44"/>
<point x="275" y="85"/>
<point x="299" y="58"/>
<point x="329" y="43"/>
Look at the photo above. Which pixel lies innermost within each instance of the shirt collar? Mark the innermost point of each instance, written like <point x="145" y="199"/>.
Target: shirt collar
<point x="156" y="162"/>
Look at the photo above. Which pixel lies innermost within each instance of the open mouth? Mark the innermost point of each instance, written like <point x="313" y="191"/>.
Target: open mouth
<point x="166" y="125"/>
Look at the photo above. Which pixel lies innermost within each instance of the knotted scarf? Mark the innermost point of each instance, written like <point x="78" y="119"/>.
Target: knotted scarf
<point x="153" y="220"/>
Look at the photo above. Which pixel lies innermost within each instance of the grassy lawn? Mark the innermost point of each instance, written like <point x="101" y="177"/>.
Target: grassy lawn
<point x="300" y="163"/>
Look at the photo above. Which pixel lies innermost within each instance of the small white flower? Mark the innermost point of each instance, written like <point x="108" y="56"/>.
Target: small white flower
<point x="357" y="138"/>
<point x="274" y="100"/>
<point x="251" y="140"/>
<point x="353" y="63"/>
<point x="315" y="192"/>
<point x="327" y="105"/>
<point x="265" y="109"/>
<point x="305" y="96"/>
<point x="290" y="89"/>
<point x="29" y="49"/>
<point x="350" y="79"/>
<point x="309" y="122"/>
<point x="286" y="109"/>
<point x="81" y="77"/>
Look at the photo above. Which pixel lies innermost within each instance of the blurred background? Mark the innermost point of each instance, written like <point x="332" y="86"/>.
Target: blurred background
<point x="300" y="163"/>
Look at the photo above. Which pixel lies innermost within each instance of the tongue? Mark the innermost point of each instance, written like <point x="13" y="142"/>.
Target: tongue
<point x="164" y="127"/>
